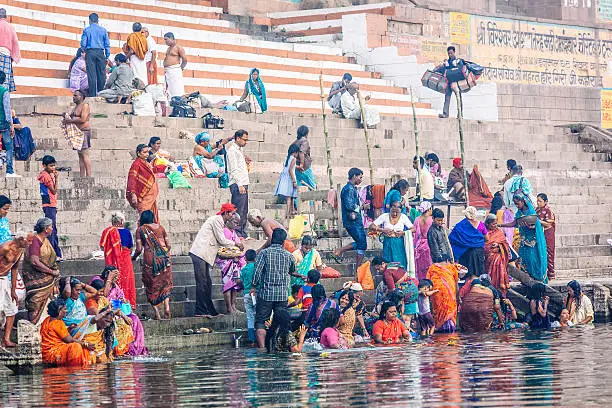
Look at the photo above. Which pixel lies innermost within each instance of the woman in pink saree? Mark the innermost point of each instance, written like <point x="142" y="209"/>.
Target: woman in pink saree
<point x="422" y="255"/>
<point x="113" y="292"/>
<point x="230" y="267"/>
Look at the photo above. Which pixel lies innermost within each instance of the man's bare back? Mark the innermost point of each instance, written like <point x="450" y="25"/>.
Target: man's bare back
<point x="10" y="254"/>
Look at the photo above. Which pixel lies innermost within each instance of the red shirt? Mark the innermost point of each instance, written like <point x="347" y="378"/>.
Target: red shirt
<point x="306" y="296"/>
<point x="47" y="182"/>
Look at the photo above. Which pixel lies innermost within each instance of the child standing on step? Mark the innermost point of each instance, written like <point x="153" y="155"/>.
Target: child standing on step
<point x="287" y="183"/>
<point x="246" y="277"/>
<point x="49" y="179"/>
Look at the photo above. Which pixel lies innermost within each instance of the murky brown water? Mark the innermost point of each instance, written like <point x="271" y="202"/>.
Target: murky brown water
<point x="564" y="368"/>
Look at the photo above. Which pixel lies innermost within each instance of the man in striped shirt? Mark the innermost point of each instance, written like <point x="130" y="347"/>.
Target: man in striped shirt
<point x="273" y="266"/>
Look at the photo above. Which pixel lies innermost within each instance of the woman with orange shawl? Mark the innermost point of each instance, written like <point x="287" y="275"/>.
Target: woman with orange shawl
<point x="57" y="346"/>
<point x="478" y="192"/>
<point x="117" y="243"/>
<point x="445" y="277"/>
<point x="136" y="49"/>
<point x="156" y="263"/>
<point x="497" y="255"/>
<point x="142" y="189"/>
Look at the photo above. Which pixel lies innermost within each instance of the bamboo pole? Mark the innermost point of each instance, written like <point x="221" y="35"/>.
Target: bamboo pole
<point x="416" y="144"/>
<point x="461" y="144"/>
<point x="327" y="149"/>
<point x="365" y="133"/>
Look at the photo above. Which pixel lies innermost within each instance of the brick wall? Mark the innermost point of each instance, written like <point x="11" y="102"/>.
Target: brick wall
<point x="558" y="105"/>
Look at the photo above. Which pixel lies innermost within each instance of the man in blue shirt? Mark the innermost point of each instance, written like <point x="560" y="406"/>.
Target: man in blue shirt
<point x="351" y="216"/>
<point x="7" y="128"/>
<point x="96" y="44"/>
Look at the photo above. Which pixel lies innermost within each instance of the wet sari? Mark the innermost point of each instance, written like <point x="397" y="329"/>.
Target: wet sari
<point x="532" y="247"/>
<point x="57" y="352"/>
<point x="40" y="287"/>
<point x="477" y="309"/>
<point x="444" y="303"/>
<point x="230" y="267"/>
<point x="156" y="264"/>
<point x="497" y="258"/>
<point x="422" y="254"/>
<point x="137" y="347"/>
<point x="123" y="331"/>
<point x="546" y="214"/>
<point x="347" y="325"/>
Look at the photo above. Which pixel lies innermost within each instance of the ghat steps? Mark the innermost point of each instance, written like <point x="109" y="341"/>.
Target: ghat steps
<point x="576" y="181"/>
<point x="219" y="56"/>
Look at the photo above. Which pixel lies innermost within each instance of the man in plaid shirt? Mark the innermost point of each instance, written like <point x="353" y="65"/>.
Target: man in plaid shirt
<point x="273" y="266"/>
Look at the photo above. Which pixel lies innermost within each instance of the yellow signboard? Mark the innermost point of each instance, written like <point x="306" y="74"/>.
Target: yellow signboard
<point x="606" y="108"/>
<point x="543" y="54"/>
<point x="459" y="28"/>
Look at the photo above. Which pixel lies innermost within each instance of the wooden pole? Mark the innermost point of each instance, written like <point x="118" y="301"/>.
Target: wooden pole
<point x="365" y="133"/>
<point x="416" y="144"/>
<point x="461" y="144"/>
<point x="328" y="151"/>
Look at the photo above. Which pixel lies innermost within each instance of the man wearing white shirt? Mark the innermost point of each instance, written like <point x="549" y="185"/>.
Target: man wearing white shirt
<point x="150" y="57"/>
<point x="238" y="173"/>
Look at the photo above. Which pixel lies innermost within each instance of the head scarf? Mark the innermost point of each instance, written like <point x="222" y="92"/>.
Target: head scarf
<point x="202" y="137"/>
<point x="227" y="207"/>
<point x="424" y="207"/>
<point x="348" y="77"/>
<point x="259" y="94"/>
<point x="470" y="213"/>
<point x="457" y="163"/>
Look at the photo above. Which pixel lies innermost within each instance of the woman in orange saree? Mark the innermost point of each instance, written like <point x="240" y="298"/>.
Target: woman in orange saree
<point x="445" y="277"/>
<point x="116" y="242"/>
<point x="497" y="255"/>
<point x="57" y="346"/>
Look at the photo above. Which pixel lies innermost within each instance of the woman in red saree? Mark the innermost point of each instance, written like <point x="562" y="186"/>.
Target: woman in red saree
<point x="547" y="218"/>
<point x="156" y="263"/>
<point x="497" y="255"/>
<point x="142" y="189"/>
<point x="117" y="243"/>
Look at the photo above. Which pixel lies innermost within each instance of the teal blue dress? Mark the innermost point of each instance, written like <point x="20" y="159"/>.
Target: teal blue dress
<point x="532" y="249"/>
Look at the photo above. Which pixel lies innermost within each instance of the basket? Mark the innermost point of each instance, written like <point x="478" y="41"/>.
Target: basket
<point x="229" y="253"/>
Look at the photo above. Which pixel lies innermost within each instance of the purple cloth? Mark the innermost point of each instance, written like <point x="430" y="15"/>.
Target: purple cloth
<point x="482" y="229"/>
<point x="78" y="76"/>
<point x="137" y="347"/>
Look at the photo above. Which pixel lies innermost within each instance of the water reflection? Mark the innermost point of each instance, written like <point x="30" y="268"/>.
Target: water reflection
<point x="494" y="369"/>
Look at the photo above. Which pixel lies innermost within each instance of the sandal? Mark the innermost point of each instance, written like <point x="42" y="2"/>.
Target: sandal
<point x="335" y="258"/>
<point x="188" y="332"/>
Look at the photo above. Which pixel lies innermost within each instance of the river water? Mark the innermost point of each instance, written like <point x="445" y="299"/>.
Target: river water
<point x="563" y="368"/>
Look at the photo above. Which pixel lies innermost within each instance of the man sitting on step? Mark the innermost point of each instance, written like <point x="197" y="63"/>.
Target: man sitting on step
<point x="120" y="82"/>
<point x="352" y="110"/>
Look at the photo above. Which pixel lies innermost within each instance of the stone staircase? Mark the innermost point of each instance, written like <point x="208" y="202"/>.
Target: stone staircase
<point x="220" y="56"/>
<point x="577" y="182"/>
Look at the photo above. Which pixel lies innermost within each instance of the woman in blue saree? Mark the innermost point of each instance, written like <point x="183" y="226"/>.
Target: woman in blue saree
<point x="254" y="87"/>
<point x="467" y="240"/>
<point x="532" y="249"/>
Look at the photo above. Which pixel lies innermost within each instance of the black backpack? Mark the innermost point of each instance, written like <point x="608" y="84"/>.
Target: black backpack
<point x="181" y="108"/>
<point x="24" y="144"/>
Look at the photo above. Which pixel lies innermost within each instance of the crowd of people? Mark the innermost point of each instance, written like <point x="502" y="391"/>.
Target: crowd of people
<point x="431" y="281"/>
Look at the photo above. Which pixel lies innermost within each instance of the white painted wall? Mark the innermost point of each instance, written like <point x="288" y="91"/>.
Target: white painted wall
<point x="478" y="104"/>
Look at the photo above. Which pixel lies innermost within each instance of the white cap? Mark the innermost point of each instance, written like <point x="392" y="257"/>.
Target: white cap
<point x="356" y="286"/>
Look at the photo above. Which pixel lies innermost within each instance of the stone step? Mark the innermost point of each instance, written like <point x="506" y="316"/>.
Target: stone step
<point x="586" y="251"/>
<point x="583" y="239"/>
<point x="586" y="262"/>
<point x="592" y="273"/>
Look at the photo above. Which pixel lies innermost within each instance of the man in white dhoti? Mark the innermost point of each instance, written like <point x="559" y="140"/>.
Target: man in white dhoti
<point x="174" y="64"/>
<point x="351" y="109"/>
<point x="136" y="50"/>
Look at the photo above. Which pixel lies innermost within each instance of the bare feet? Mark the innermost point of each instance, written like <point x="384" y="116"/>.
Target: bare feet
<point x="157" y="316"/>
<point x="167" y="315"/>
<point x="8" y="343"/>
